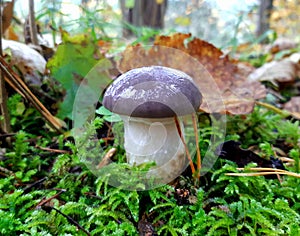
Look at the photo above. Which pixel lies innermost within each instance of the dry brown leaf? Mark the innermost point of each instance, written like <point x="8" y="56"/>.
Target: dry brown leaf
<point x="293" y="106"/>
<point x="11" y="34"/>
<point x="284" y="71"/>
<point x="224" y="89"/>
<point x="26" y="59"/>
<point x="213" y="59"/>
<point x="7" y="15"/>
<point x="281" y="44"/>
<point x="244" y="69"/>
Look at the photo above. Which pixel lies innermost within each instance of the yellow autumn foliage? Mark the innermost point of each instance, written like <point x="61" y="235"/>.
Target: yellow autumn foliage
<point x="285" y="17"/>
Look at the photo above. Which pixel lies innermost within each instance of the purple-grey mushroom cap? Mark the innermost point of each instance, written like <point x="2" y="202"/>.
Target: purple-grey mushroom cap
<point x="153" y="92"/>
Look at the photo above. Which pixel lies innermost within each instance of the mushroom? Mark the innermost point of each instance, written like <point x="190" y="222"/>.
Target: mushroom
<point x="149" y="99"/>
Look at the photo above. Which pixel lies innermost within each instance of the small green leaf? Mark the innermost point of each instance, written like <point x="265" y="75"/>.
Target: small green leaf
<point x="103" y="111"/>
<point x="77" y="59"/>
<point x="20" y="108"/>
<point x="112" y="118"/>
<point x="108" y="115"/>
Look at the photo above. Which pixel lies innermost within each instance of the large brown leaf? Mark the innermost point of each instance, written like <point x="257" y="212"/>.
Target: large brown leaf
<point x="217" y="77"/>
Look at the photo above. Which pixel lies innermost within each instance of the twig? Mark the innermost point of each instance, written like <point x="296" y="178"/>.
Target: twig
<point x="185" y="146"/>
<point x="44" y="201"/>
<point x="53" y="150"/>
<point x="197" y="145"/>
<point x="6" y="171"/>
<point x="7" y="135"/>
<point x="20" y="85"/>
<point x="70" y="219"/>
<point x="275" y="155"/>
<point x="107" y="158"/>
<point x="273" y="108"/>
<point x="287" y="160"/>
<point x="27" y="188"/>
<point x="92" y="195"/>
<point x="264" y="171"/>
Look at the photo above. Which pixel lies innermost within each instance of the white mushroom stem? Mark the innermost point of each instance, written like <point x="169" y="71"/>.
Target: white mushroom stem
<point x="154" y="140"/>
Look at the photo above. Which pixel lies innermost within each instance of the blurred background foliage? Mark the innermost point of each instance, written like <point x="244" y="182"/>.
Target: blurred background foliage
<point x="219" y="22"/>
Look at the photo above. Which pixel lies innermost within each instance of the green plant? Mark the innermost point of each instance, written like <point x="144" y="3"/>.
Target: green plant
<point x="71" y="196"/>
<point x="108" y="115"/>
<point x="51" y="12"/>
<point x="23" y="116"/>
<point x="76" y="60"/>
<point x="143" y="34"/>
<point x="258" y="127"/>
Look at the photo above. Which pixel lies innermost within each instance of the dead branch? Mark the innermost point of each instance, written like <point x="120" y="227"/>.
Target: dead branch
<point x="20" y="85"/>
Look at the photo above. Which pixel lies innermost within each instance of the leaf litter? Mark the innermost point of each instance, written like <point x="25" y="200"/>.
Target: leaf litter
<point x="237" y="93"/>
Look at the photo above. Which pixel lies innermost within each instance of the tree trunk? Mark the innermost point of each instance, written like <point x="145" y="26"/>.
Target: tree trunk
<point x="148" y="13"/>
<point x="265" y="9"/>
<point x="33" y="28"/>
<point x="5" y="121"/>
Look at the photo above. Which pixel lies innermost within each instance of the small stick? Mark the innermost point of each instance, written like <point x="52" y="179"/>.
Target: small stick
<point x="6" y="171"/>
<point x="44" y="201"/>
<point x="53" y="150"/>
<point x="27" y="189"/>
<point x="287" y="160"/>
<point x="107" y="158"/>
<point x="264" y="171"/>
<point x="273" y="108"/>
<point x="7" y="135"/>
<point x="21" y="85"/>
<point x="185" y="146"/>
<point x="70" y="219"/>
<point x="197" y="145"/>
<point x="278" y="176"/>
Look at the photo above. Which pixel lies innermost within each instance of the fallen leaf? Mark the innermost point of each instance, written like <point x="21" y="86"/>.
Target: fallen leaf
<point x="284" y="71"/>
<point x="11" y="34"/>
<point x="26" y="59"/>
<point x="281" y="44"/>
<point x="7" y="15"/>
<point x="293" y="106"/>
<point x="224" y="89"/>
<point x="244" y="69"/>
